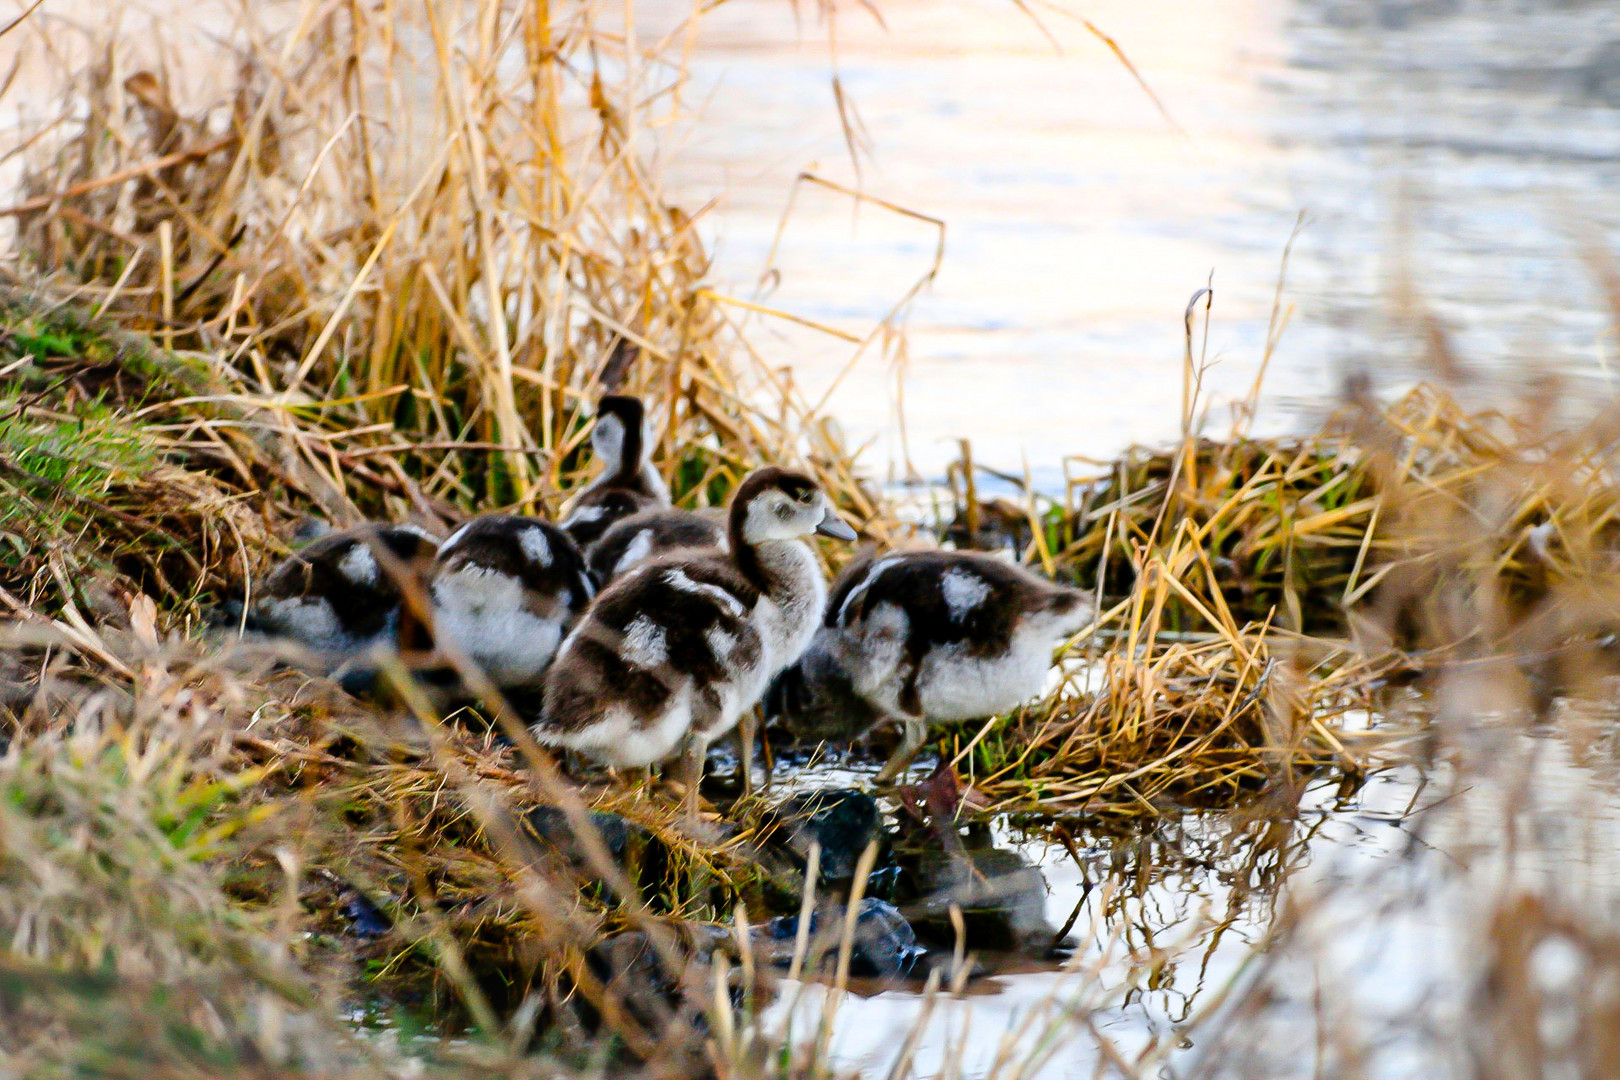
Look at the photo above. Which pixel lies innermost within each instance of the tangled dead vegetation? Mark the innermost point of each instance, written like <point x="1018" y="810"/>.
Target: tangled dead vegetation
<point x="1252" y="592"/>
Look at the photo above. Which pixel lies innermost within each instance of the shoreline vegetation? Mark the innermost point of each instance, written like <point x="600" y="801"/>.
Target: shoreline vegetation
<point x="218" y="323"/>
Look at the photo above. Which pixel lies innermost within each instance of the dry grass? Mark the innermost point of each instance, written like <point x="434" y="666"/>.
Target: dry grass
<point x="384" y="274"/>
<point x="406" y="261"/>
<point x="1252" y="592"/>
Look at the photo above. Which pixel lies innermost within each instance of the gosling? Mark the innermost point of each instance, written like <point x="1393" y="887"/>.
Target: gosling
<point x="926" y="637"/>
<point x="505" y="589"/>
<point x="341" y="595"/>
<point x="627" y="484"/>
<point x="669" y="657"/>
<point x="651" y="533"/>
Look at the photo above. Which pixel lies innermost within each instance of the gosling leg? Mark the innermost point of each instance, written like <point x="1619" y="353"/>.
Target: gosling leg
<point x="691" y="774"/>
<point x="747" y="728"/>
<point x="916" y="732"/>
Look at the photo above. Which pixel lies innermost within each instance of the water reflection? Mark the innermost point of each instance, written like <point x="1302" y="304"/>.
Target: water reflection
<point x="1158" y="921"/>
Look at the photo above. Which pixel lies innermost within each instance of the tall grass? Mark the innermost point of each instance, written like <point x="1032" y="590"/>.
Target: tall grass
<point x="415" y="243"/>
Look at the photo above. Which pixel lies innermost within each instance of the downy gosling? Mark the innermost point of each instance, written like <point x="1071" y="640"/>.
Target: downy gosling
<point x="651" y="533"/>
<point x="627" y="484"/>
<point x="926" y="637"/>
<point x="505" y="589"/>
<point x="339" y="595"/>
<point x="668" y="658"/>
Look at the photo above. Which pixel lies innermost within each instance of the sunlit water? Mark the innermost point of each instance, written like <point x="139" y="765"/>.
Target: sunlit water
<point x="1360" y="927"/>
<point x="1202" y="890"/>
<point x="1467" y="147"/>
<point x="1467" y="152"/>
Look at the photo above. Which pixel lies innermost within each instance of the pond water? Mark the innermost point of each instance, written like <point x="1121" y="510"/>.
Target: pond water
<point x="1469" y="147"/>
<point x="1198" y="895"/>
<point x="1365" y="925"/>
<point x="1463" y="152"/>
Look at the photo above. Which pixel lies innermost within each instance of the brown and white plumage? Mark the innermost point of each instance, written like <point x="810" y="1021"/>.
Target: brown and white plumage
<point x="341" y="594"/>
<point x="926" y="637"/>
<point x="627" y="484"/>
<point x="504" y="590"/>
<point x="652" y="533"/>
<point x="672" y="654"/>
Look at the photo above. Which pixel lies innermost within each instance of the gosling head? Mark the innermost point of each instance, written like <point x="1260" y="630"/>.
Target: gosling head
<point x="779" y="504"/>
<point x="815" y="697"/>
<point x="618" y="437"/>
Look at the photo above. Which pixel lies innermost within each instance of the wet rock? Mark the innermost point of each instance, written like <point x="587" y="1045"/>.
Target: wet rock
<point x="366" y="920"/>
<point x="550" y="826"/>
<point x="653" y="994"/>
<point x="1002" y="899"/>
<point x="884" y="945"/>
<point x="637" y="853"/>
<point x="843" y="821"/>
<point x="643" y="997"/>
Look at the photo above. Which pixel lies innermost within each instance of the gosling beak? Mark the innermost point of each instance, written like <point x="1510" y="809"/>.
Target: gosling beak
<point x="834" y="526"/>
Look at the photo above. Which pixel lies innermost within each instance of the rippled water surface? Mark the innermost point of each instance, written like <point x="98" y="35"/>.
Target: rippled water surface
<point x="1244" y="943"/>
<point x="1468" y="148"/>
<point x="1463" y="152"/>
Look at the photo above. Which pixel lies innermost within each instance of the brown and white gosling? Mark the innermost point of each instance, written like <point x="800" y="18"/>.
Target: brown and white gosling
<point x="505" y="589"/>
<point x="668" y="658"/>
<point x="627" y="484"/>
<point x="652" y="533"/>
<point x="926" y="637"/>
<point x="339" y="594"/>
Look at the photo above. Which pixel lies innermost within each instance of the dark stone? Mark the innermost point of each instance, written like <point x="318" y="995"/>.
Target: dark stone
<point x="1001" y="897"/>
<point x="640" y="855"/>
<point x="365" y="919"/>
<point x="843" y="821"/>
<point x="884" y="945"/>
<point x="225" y="615"/>
<point x="550" y="826"/>
<point x="657" y="994"/>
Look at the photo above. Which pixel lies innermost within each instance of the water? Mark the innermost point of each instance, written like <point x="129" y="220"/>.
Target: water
<point x="1464" y="146"/>
<point x="1464" y="150"/>
<point x="1461" y="152"/>
<point x="1203" y="891"/>
<point x="1370" y="925"/>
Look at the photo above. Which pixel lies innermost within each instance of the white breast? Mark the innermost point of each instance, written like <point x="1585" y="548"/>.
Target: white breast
<point x="481" y="612"/>
<point x="618" y="740"/>
<point x="955" y="686"/>
<point x="788" y="620"/>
